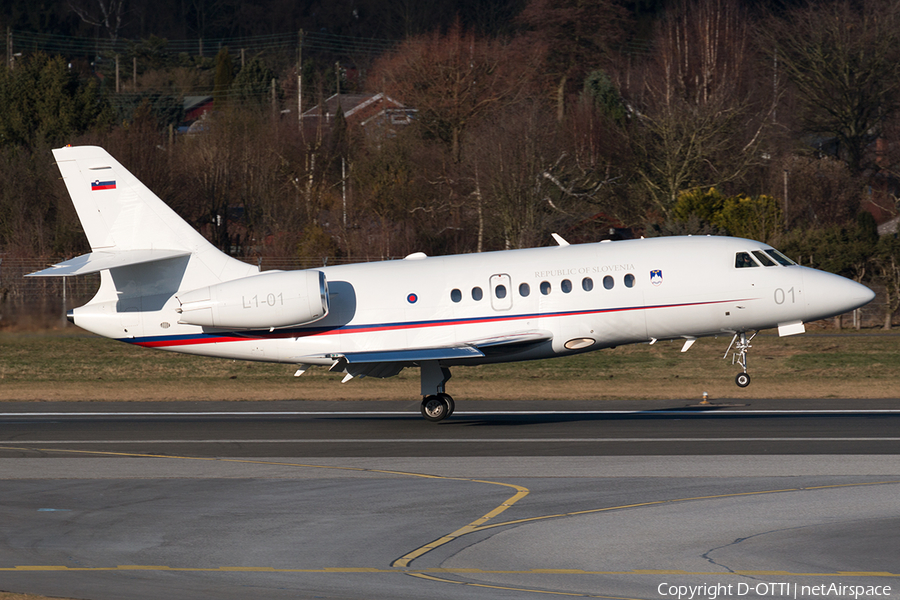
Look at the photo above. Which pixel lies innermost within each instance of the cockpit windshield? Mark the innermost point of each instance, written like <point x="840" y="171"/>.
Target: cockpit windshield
<point x="743" y="260"/>
<point x="764" y="259"/>
<point x="768" y="257"/>
<point x="781" y="258"/>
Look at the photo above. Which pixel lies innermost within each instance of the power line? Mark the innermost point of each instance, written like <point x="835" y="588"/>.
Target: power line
<point x="26" y="41"/>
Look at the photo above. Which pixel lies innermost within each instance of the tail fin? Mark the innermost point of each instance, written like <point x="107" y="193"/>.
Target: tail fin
<point x="117" y="211"/>
<point x="127" y="224"/>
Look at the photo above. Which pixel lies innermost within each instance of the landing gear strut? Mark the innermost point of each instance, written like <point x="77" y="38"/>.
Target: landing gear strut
<point x="741" y="344"/>
<point x="437" y="405"/>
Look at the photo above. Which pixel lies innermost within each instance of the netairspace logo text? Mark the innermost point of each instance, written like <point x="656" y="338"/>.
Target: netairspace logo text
<point x="796" y="591"/>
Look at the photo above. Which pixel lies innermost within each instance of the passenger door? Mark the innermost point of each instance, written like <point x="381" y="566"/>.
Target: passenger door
<point x="501" y="292"/>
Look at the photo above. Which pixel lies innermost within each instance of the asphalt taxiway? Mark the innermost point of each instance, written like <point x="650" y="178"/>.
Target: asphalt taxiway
<point x="509" y="500"/>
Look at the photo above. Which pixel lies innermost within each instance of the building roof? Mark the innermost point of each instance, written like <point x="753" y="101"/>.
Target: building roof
<point x="354" y="106"/>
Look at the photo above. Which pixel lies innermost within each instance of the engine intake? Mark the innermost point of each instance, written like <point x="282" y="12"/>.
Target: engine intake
<point x="272" y="299"/>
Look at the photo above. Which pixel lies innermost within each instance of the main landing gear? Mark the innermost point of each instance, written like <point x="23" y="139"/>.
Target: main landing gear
<point x="437" y="405"/>
<point x="741" y="344"/>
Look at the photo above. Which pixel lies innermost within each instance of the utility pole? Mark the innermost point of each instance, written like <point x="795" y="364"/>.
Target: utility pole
<point x="344" y="190"/>
<point x="274" y="105"/>
<point x="64" y="309"/>
<point x="300" y="80"/>
<point x="786" y="220"/>
<point x="775" y="85"/>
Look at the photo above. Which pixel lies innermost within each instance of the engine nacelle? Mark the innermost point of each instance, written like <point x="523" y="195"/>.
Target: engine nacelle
<point x="273" y="299"/>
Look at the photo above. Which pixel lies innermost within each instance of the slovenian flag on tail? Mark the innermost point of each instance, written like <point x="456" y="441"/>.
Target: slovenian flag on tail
<point x="102" y="185"/>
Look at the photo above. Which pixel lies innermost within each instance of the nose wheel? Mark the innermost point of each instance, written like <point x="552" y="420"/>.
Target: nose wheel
<point x="741" y="344"/>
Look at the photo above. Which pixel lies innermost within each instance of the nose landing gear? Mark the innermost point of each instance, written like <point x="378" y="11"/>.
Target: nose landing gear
<point x="741" y="343"/>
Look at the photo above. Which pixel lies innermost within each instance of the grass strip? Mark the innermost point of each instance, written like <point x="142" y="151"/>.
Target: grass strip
<point x="72" y="365"/>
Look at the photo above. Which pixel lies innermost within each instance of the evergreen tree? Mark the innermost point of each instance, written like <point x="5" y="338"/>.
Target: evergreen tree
<point x="253" y="83"/>
<point x="600" y="89"/>
<point x="223" y="79"/>
<point x="43" y="101"/>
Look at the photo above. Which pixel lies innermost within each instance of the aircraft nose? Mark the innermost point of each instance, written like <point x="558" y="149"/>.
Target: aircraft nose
<point x="828" y="295"/>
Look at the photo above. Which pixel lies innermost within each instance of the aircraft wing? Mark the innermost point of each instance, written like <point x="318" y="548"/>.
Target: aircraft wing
<point x="472" y="349"/>
<point x="386" y="363"/>
<point x="100" y="261"/>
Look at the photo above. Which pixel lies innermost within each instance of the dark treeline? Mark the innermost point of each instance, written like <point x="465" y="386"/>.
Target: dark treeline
<point x="775" y="121"/>
<point x="215" y="19"/>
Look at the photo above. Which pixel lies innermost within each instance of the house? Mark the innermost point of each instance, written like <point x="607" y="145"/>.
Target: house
<point x="195" y="108"/>
<point x="370" y="111"/>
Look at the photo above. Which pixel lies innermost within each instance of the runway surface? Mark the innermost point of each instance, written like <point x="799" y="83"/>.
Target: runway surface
<point x="757" y="499"/>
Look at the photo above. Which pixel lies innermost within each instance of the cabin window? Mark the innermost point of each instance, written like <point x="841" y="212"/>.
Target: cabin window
<point x="587" y="284"/>
<point x="608" y="282"/>
<point x="500" y="291"/>
<point x="524" y="289"/>
<point x="456" y="295"/>
<point x="545" y="287"/>
<point x="629" y="280"/>
<point x="765" y="260"/>
<point x="780" y="258"/>
<point x="566" y="286"/>
<point x="477" y="294"/>
<point x="742" y="260"/>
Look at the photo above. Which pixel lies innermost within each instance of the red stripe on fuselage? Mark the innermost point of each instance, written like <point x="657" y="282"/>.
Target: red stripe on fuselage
<point x="400" y="326"/>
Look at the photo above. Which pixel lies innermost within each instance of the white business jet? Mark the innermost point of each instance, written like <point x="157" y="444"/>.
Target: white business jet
<point x="162" y="285"/>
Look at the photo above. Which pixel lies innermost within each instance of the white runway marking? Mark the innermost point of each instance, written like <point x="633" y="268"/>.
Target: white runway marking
<point x="699" y="411"/>
<point x="463" y="440"/>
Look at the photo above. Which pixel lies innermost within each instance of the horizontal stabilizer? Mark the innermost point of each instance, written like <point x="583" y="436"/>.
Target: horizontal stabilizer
<point x="100" y="261"/>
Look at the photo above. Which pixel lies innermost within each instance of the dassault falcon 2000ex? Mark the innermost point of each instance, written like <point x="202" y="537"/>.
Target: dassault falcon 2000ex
<point x="164" y="286"/>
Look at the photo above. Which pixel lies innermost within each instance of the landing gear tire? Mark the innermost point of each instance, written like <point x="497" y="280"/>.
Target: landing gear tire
<point x="436" y="408"/>
<point x="450" y="403"/>
<point x="742" y="380"/>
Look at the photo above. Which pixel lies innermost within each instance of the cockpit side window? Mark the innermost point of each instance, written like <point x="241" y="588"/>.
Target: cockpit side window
<point x="742" y="259"/>
<point x="780" y="258"/>
<point x="765" y="260"/>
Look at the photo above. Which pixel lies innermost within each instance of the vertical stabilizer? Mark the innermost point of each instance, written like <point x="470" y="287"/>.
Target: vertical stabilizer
<point x="120" y="214"/>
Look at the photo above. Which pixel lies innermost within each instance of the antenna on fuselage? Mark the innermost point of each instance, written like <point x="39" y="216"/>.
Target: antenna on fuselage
<point x="559" y="239"/>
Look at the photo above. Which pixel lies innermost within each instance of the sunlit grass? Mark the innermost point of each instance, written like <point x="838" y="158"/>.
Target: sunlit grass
<point x="52" y="365"/>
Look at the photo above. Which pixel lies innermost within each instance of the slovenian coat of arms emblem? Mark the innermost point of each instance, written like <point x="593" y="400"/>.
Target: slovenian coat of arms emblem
<point x="656" y="277"/>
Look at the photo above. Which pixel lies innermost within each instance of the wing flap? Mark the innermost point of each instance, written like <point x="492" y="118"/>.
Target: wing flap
<point x="410" y="355"/>
<point x="510" y="339"/>
<point x="95" y="262"/>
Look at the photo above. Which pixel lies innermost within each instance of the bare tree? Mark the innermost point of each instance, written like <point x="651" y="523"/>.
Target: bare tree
<point x="695" y="124"/>
<point x="106" y="14"/>
<point x="887" y="273"/>
<point x="454" y="79"/>
<point x="575" y="35"/>
<point x="843" y="59"/>
<point x="822" y="191"/>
